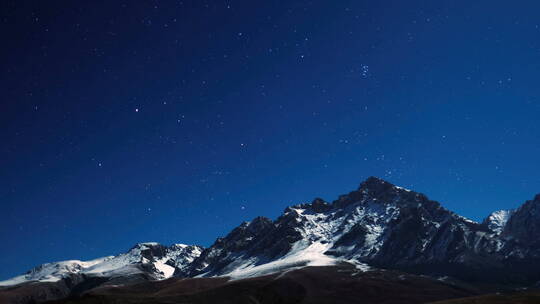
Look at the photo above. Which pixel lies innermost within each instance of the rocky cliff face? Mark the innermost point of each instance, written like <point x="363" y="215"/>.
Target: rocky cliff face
<point x="522" y="230"/>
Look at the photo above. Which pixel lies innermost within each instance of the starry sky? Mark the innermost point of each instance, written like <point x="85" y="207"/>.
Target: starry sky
<point x="174" y="121"/>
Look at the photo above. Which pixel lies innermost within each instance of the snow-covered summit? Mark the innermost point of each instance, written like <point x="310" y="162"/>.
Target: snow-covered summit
<point x="380" y="225"/>
<point x="52" y="272"/>
<point x="377" y="223"/>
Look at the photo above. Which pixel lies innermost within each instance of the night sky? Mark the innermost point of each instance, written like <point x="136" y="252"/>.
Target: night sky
<point x="174" y="121"/>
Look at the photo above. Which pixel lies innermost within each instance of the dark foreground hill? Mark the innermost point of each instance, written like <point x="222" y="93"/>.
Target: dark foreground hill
<point x="521" y="297"/>
<point x="324" y="284"/>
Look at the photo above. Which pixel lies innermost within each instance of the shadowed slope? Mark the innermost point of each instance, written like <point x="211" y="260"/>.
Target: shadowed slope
<point x="326" y="284"/>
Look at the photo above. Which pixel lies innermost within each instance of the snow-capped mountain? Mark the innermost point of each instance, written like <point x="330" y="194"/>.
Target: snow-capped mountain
<point x="377" y="226"/>
<point x="151" y="260"/>
<point x="380" y="225"/>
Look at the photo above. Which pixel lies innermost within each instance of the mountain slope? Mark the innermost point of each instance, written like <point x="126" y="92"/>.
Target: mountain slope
<point x="381" y="225"/>
<point x="310" y="285"/>
<point x="151" y="260"/>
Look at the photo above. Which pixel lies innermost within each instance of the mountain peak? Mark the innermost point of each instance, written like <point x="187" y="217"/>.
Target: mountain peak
<point x="373" y="181"/>
<point x="381" y="189"/>
<point x="259" y="222"/>
<point x="148" y="249"/>
<point x="146" y="245"/>
<point x="320" y="205"/>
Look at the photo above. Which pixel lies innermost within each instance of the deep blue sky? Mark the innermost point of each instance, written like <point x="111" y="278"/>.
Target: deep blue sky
<point x="174" y="121"/>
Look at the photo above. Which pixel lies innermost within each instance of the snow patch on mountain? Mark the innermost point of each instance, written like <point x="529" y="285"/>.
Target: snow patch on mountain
<point x="498" y="219"/>
<point x="167" y="271"/>
<point x="401" y="188"/>
<point x="302" y="254"/>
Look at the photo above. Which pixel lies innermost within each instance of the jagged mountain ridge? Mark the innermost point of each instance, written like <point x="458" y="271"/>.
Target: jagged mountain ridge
<point x="378" y="225"/>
